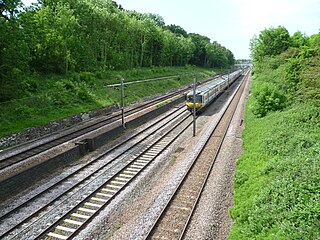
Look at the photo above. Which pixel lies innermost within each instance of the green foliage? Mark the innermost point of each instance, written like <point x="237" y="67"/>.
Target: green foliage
<point x="51" y="97"/>
<point x="29" y="85"/>
<point x="309" y="86"/>
<point x="268" y="98"/>
<point x="22" y="111"/>
<point x="84" y="94"/>
<point x="177" y="30"/>
<point x="299" y="40"/>
<point x="9" y="8"/>
<point x="87" y="77"/>
<point x="69" y="36"/>
<point x="271" y="42"/>
<point x="277" y="193"/>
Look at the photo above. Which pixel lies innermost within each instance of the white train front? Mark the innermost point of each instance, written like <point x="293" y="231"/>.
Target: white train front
<point x="206" y="93"/>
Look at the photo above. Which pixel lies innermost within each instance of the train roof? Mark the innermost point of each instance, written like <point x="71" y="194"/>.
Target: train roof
<point x="212" y="84"/>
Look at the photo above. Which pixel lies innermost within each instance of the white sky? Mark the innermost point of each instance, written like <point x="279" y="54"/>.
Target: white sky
<point x="232" y="23"/>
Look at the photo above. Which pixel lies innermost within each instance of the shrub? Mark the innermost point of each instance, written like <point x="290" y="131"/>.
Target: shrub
<point x="60" y="94"/>
<point x="87" y="77"/>
<point x="29" y="85"/>
<point x="68" y="85"/>
<point x="22" y="111"/>
<point x="83" y="93"/>
<point x="268" y="98"/>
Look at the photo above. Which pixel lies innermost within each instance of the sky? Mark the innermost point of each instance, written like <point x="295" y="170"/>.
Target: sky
<point x="232" y="23"/>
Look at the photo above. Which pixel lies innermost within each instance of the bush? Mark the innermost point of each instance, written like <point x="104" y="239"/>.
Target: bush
<point x="30" y="85"/>
<point x="83" y="94"/>
<point x="87" y="77"/>
<point x="60" y="93"/>
<point x="277" y="193"/>
<point x="22" y="111"/>
<point x="268" y="98"/>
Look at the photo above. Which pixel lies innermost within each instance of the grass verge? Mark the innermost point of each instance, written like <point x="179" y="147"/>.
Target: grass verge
<point x="277" y="190"/>
<point x="42" y="99"/>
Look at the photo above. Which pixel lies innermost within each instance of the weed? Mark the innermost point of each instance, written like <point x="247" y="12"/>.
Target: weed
<point x="173" y="160"/>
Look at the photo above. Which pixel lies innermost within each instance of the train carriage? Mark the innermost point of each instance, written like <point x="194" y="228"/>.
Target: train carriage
<point x="205" y="94"/>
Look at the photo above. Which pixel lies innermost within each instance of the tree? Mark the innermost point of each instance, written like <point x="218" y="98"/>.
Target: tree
<point x="62" y="36"/>
<point x="270" y="42"/>
<point x="177" y="30"/>
<point x="9" y="8"/>
<point x="298" y="39"/>
<point x="14" y="51"/>
<point x="156" y="19"/>
<point x="200" y="42"/>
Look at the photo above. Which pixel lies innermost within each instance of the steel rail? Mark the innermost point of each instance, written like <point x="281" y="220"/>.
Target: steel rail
<point x="66" y="178"/>
<point x="211" y="167"/>
<point x="27" y="153"/>
<point x="76" y="208"/>
<point x="167" y="205"/>
<point x="33" y="151"/>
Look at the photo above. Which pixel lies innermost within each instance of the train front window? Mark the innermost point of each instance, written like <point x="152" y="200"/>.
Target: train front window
<point x="198" y="98"/>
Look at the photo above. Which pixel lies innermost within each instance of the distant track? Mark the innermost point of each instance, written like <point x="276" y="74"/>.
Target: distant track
<point x="174" y="219"/>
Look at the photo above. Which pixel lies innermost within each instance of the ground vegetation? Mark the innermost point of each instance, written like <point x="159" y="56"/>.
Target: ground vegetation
<point x="277" y="191"/>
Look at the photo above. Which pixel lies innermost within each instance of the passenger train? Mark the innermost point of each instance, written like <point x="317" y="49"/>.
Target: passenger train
<point x="205" y="94"/>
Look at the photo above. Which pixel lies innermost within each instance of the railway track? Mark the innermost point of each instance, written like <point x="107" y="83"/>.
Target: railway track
<point x="101" y="177"/>
<point x="175" y="217"/>
<point x="13" y="157"/>
<point x="71" y="135"/>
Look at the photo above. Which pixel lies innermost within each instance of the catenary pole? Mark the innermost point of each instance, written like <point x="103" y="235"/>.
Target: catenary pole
<point x="122" y="104"/>
<point x="194" y="106"/>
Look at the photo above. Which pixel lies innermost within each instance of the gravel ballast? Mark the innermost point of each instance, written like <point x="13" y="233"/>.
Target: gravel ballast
<point x="131" y="214"/>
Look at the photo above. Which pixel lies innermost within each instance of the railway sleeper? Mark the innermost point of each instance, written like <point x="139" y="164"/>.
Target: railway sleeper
<point x="99" y="199"/>
<point x="87" y="210"/>
<point x="79" y="215"/>
<point x="55" y="235"/>
<point x="93" y="205"/>
<point x="105" y="195"/>
<point x="134" y="165"/>
<point x="119" y="181"/>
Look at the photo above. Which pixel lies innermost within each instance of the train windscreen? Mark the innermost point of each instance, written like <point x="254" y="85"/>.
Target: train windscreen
<point x="198" y="98"/>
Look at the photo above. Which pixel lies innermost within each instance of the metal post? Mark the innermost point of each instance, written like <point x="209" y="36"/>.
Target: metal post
<point x="122" y="104"/>
<point x="194" y="106"/>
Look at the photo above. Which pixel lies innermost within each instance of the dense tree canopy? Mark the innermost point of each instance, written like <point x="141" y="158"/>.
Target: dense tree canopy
<point x="92" y="35"/>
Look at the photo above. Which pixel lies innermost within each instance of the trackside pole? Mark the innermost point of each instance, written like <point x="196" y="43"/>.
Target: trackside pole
<point x="122" y="104"/>
<point x="194" y="106"/>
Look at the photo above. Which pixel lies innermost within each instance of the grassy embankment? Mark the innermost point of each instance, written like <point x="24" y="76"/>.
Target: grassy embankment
<point x="277" y="183"/>
<point x="47" y="98"/>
